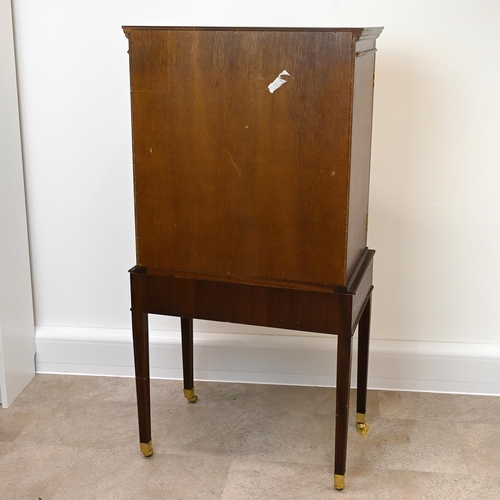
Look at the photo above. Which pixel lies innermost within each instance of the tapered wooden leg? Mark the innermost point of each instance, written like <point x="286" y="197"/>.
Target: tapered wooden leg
<point x="344" y="347"/>
<point x="187" y="359"/>
<point x="363" y="349"/>
<point x="138" y="285"/>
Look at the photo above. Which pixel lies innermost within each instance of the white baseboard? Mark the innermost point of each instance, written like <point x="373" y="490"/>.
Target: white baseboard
<point x="273" y="359"/>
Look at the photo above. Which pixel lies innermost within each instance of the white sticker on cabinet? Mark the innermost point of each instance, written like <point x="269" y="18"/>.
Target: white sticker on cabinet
<point x="278" y="82"/>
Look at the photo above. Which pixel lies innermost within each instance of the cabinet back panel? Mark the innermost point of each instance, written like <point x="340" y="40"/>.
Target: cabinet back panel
<point x="230" y="179"/>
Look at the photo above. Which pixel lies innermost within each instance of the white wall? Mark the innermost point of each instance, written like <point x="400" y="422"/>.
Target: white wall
<point x="435" y="210"/>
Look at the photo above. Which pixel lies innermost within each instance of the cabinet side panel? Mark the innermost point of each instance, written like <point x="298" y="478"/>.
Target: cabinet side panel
<point x="230" y="179"/>
<point x="360" y="156"/>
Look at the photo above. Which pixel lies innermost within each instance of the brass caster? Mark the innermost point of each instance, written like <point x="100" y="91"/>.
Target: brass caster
<point x="362" y="425"/>
<point x="363" y="429"/>
<point x="147" y="449"/>
<point x="190" y="395"/>
<point x="338" y="481"/>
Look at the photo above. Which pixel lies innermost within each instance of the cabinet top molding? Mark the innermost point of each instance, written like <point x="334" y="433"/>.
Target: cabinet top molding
<point x="359" y="33"/>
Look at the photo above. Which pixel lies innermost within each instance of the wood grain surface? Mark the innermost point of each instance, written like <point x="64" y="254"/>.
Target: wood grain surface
<point x="232" y="180"/>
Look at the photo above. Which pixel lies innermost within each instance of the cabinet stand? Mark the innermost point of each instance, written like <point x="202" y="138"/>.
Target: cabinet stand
<point x="336" y="312"/>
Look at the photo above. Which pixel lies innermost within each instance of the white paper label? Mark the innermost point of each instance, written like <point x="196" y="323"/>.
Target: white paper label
<point x="278" y="82"/>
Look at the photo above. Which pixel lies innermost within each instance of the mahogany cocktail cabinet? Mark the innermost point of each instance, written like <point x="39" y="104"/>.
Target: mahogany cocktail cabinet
<point x="251" y="151"/>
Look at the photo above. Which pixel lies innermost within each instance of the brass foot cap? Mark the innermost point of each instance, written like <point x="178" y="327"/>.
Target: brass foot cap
<point x="147" y="449"/>
<point x="363" y="429"/>
<point x="190" y="395"/>
<point x="362" y="425"/>
<point x="338" y="481"/>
